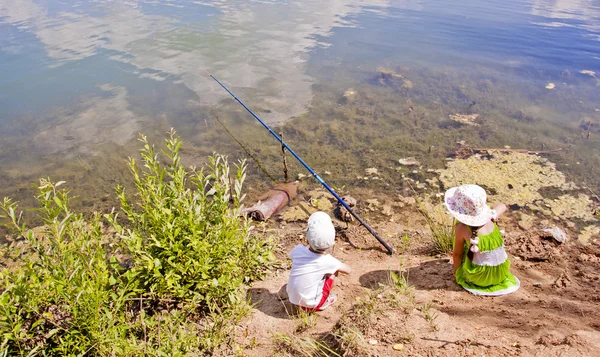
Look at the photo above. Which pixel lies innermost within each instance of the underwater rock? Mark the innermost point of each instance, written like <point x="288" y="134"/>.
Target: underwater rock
<point x="371" y="171"/>
<point x="388" y="73"/>
<point x="588" y="72"/>
<point x="526" y="222"/>
<point x="300" y="176"/>
<point x="388" y="76"/>
<point x="299" y="212"/>
<point x="373" y="204"/>
<point x="409" y="161"/>
<point x="387" y="210"/>
<point x="321" y="204"/>
<point x="349" y="95"/>
<point x="557" y="234"/>
<point x="405" y="201"/>
<point x="433" y="182"/>
<point x="550" y="86"/>
<point x="409" y="201"/>
<point x="467" y="119"/>
<point x="320" y="199"/>
<point x="589" y="124"/>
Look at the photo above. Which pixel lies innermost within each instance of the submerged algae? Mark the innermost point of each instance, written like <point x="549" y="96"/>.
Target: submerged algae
<point x="588" y="233"/>
<point x="567" y="206"/>
<point x="513" y="178"/>
<point x="519" y="179"/>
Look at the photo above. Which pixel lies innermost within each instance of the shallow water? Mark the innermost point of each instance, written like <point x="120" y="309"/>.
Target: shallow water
<point x="80" y="79"/>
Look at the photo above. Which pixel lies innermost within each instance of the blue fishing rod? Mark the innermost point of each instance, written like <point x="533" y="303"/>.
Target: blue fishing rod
<point x="337" y="197"/>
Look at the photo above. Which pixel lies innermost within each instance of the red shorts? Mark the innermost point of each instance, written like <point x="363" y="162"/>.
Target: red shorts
<point x="327" y="285"/>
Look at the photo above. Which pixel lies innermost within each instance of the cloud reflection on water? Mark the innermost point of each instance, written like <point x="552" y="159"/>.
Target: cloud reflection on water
<point x="93" y="121"/>
<point x="584" y="14"/>
<point x="259" y="48"/>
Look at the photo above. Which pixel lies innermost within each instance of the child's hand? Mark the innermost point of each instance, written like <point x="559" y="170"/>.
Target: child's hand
<point x="494" y="216"/>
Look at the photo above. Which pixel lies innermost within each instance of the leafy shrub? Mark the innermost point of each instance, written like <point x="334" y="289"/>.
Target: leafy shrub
<point x="185" y="239"/>
<point x="59" y="298"/>
<point x="185" y="255"/>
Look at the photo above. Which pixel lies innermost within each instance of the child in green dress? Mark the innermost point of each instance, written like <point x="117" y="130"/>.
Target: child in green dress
<point x="481" y="265"/>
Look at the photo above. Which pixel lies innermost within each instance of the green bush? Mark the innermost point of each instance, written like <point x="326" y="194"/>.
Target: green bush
<point x="58" y="298"/>
<point x="184" y="255"/>
<point x="184" y="233"/>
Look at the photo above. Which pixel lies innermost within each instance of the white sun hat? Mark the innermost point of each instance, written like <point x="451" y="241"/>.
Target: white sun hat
<point x="467" y="203"/>
<point x="320" y="232"/>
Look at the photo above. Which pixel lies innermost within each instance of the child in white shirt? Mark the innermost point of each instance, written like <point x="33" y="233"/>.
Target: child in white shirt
<point x="313" y="270"/>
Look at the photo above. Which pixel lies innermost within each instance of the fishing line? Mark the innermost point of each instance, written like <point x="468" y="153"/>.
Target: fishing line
<point x="317" y="177"/>
<point x="243" y="147"/>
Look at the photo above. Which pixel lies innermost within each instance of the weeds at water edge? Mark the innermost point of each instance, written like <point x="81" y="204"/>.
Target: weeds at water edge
<point x="440" y="225"/>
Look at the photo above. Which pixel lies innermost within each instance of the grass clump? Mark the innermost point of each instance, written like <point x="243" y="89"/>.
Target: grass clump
<point x="440" y="225"/>
<point x="167" y="283"/>
<point x="292" y="345"/>
<point x="305" y="320"/>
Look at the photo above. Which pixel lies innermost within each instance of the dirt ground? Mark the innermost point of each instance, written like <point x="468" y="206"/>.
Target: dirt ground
<point x="555" y="312"/>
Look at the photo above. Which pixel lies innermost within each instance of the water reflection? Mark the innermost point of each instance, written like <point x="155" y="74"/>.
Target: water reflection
<point x="80" y="75"/>
<point x="586" y="13"/>
<point x="260" y="47"/>
<point x="94" y="121"/>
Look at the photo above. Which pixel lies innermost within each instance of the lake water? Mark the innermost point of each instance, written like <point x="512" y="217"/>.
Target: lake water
<point x="352" y="84"/>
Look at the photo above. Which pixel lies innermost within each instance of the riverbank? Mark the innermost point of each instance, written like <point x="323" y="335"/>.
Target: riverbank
<point x="405" y="304"/>
<point x="409" y="305"/>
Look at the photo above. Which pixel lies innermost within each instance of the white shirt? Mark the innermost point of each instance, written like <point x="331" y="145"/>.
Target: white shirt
<point x="305" y="287"/>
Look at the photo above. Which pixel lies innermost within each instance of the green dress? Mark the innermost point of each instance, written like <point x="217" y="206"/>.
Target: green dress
<point x="488" y="273"/>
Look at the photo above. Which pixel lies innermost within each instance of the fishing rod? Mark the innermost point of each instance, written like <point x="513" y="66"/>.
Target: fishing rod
<point x="316" y="176"/>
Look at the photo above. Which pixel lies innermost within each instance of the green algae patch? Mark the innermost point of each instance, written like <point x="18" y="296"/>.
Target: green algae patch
<point x="588" y="233"/>
<point x="524" y="180"/>
<point x="568" y="207"/>
<point x="512" y="178"/>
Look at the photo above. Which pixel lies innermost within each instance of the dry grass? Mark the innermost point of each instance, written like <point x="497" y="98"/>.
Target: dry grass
<point x="292" y="346"/>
